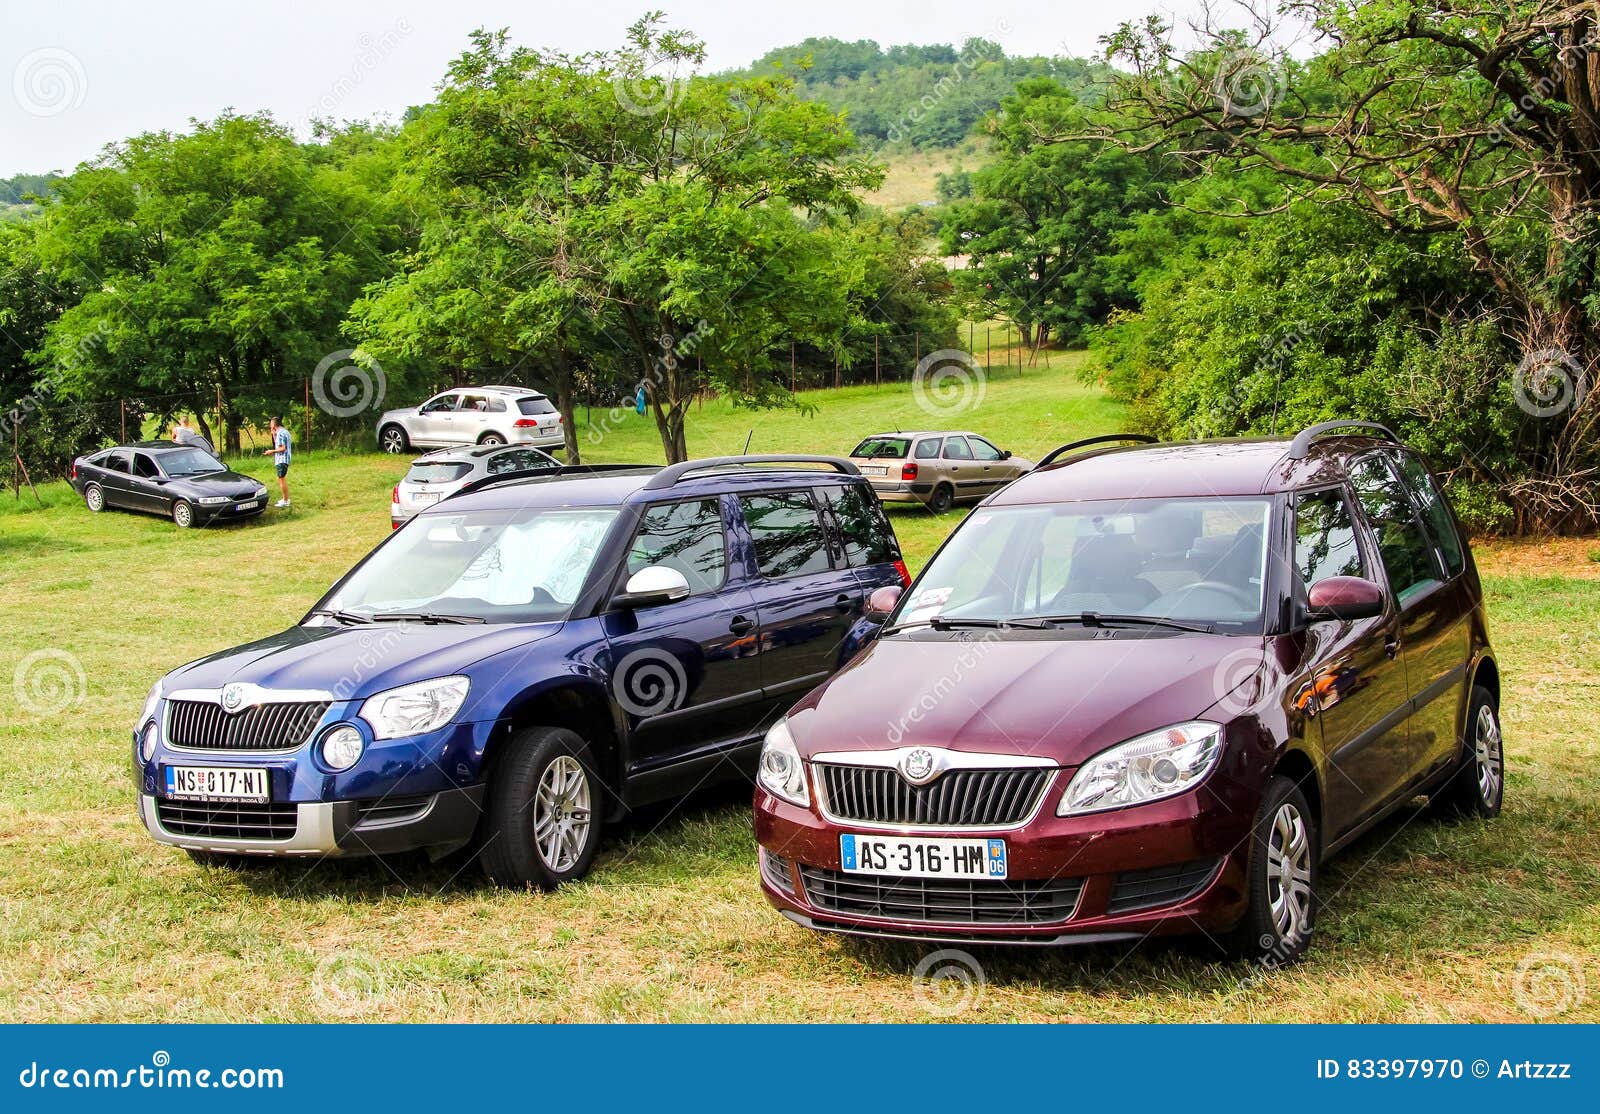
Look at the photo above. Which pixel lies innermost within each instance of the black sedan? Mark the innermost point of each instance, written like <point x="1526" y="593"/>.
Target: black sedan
<point x="180" y="482"/>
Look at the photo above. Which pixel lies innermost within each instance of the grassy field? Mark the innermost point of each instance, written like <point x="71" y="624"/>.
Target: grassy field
<point x="1423" y="921"/>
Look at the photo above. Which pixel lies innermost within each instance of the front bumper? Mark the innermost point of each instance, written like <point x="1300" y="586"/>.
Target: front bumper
<point x="440" y="824"/>
<point x="229" y="512"/>
<point x="1166" y="868"/>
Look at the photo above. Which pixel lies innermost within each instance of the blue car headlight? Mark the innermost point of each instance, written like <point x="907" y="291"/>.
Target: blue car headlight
<point x="416" y="708"/>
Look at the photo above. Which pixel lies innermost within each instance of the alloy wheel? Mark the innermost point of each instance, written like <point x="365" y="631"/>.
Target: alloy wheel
<point x="394" y="441"/>
<point x="1289" y="873"/>
<point x="95" y="498"/>
<point x="1490" y="756"/>
<point x="183" y="515"/>
<point x="561" y="813"/>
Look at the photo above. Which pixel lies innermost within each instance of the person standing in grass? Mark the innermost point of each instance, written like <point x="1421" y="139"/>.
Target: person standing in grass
<point x="282" y="452"/>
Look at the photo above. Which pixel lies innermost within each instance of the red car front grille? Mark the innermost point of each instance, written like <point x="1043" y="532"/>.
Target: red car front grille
<point x="948" y="901"/>
<point x="959" y="798"/>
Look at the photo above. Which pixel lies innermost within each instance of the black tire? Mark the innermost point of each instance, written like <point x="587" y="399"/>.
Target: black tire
<point x="510" y="851"/>
<point x="1477" y="788"/>
<point x="1262" y="933"/>
<point x="94" y="497"/>
<point x="491" y="439"/>
<point x="393" y="440"/>
<point x="183" y="514"/>
<point x="942" y="499"/>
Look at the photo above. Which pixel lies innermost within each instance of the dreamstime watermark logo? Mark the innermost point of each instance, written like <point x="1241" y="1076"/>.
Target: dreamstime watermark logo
<point x="1246" y="84"/>
<point x="1549" y="382"/>
<point x="344" y="388"/>
<point x="647" y="94"/>
<point x="970" y="59"/>
<point x="374" y="49"/>
<point x="372" y="652"/>
<point x="1547" y="984"/>
<point x="933" y="695"/>
<point x="48" y="682"/>
<point x="1234" y="681"/>
<point x="649" y="681"/>
<point x="347" y="984"/>
<point x="49" y="81"/>
<point x="949" y="982"/>
<point x="948" y="382"/>
<point x="674" y="349"/>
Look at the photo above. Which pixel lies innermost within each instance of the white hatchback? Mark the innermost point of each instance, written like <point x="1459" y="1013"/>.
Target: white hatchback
<point x="442" y="474"/>
<point x="473" y="416"/>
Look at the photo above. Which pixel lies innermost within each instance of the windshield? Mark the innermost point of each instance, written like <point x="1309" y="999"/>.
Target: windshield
<point x="436" y="473"/>
<point x="190" y="462"/>
<point x="891" y="448"/>
<point x="503" y="566"/>
<point x="1195" y="560"/>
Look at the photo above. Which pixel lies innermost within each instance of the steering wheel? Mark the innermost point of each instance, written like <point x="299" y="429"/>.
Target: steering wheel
<point x="1167" y="604"/>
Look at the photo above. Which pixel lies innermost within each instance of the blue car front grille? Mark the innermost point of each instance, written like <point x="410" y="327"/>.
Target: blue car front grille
<point x="202" y="725"/>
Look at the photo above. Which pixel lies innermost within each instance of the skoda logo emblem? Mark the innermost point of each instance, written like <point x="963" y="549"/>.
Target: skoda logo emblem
<point x="918" y="766"/>
<point x="232" y="697"/>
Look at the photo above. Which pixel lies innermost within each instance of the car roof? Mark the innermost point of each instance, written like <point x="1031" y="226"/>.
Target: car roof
<point x="625" y="485"/>
<point x="151" y="446"/>
<point x="914" y="433"/>
<point x="472" y="453"/>
<point x="499" y="389"/>
<point x="1222" y="466"/>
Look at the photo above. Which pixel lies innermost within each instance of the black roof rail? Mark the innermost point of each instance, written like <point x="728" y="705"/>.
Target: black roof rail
<point x="1105" y="439"/>
<point x="1300" y="448"/>
<point x="547" y="474"/>
<point x="674" y="474"/>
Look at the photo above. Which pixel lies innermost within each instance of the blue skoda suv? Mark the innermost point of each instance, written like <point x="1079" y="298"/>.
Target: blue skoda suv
<point x="521" y="664"/>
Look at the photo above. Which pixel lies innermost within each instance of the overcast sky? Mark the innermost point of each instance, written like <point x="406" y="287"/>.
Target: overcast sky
<point x="84" y="74"/>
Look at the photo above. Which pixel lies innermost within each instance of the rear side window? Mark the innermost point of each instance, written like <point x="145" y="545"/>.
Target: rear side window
<point x="115" y="462"/>
<point x="520" y="460"/>
<point x="436" y="473"/>
<point x="1406" y="551"/>
<point x="788" y="534"/>
<point x="883" y="448"/>
<point x="144" y="467"/>
<point x="477" y="404"/>
<point x="929" y="449"/>
<point x="535" y="405"/>
<point x="683" y="536"/>
<point x="955" y="448"/>
<point x="863" y="530"/>
<point x="1325" y="538"/>
<point x="1435" y="511"/>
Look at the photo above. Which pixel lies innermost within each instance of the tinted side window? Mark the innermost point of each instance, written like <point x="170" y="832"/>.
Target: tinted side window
<point x="519" y="460"/>
<point x="927" y="450"/>
<point x="788" y="534"/>
<point x="683" y="536"/>
<point x="116" y="462"/>
<point x="532" y="406"/>
<point x="1325" y="538"/>
<point x="144" y="467"/>
<point x="864" y="533"/>
<point x="982" y="449"/>
<point x="955" y="448"/>
<point x="1406" y="551"/>
<point x="1435" y="511"/>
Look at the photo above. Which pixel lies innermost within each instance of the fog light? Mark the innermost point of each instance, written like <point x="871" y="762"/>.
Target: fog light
<point x="147" y="741"/>
<point x="342" y="748"/>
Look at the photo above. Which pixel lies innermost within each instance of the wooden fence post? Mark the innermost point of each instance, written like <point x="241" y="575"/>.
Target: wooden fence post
<point x="123" y="407"/>
<point x="308" y="411"/>
<point x="877" y="369"/>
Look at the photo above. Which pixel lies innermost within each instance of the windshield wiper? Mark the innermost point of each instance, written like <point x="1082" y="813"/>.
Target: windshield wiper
<point x="342" y="616"/>
<point x="939" y="622"/>
<point x="424" y="617"/>
<point x="1102" y="619"/>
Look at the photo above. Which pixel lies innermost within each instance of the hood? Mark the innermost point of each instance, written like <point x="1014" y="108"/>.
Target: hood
<point x="1062" y="698"/>
<point x="357" y="661"/>
<point x="219" y="483"/>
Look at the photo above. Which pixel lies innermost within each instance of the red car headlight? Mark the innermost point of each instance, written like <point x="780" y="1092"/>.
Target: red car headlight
<point x="1151" y="767"/>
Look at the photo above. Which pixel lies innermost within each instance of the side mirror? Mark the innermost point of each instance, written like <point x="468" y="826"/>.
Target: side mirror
<point x="1344" y="597"/>
<point x="1005" y="454"/>
<point x="653" y="585"/>
<point x="882" y="601"/>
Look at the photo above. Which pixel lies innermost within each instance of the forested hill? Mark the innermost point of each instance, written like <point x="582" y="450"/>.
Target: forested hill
<point x="921" y="96"/>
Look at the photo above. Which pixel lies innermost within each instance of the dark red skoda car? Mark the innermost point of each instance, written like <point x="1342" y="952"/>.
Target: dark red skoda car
<point x="1142" y="691"/>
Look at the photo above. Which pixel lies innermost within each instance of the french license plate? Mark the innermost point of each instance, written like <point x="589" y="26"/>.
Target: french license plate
<point x="217" y="783"/>
<point x="426" y="498"/>
<point x="874" y="470"/>
<point x="923" y="858"/>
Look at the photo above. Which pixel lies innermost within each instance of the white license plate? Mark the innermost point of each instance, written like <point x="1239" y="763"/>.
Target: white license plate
<point x="923" y="858"/>
<point x="249" y="505"/>
<point x="874" y="470"/>
<point x="425" y="498"/>
<point x="217" y="783"/>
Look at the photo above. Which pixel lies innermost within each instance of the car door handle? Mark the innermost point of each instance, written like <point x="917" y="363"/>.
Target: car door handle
<point x="740" y="625"/>
<point x="844" y="602"/>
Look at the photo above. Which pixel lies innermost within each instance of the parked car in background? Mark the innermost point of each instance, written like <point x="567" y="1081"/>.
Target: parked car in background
<point x="1144" y="691"/>
<point x="522" y="663"/>
<point x="938" y="469"/>
<point x="180" y="482"/>
<point x="473" y="416"/>
<point x="445" y="472"/>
